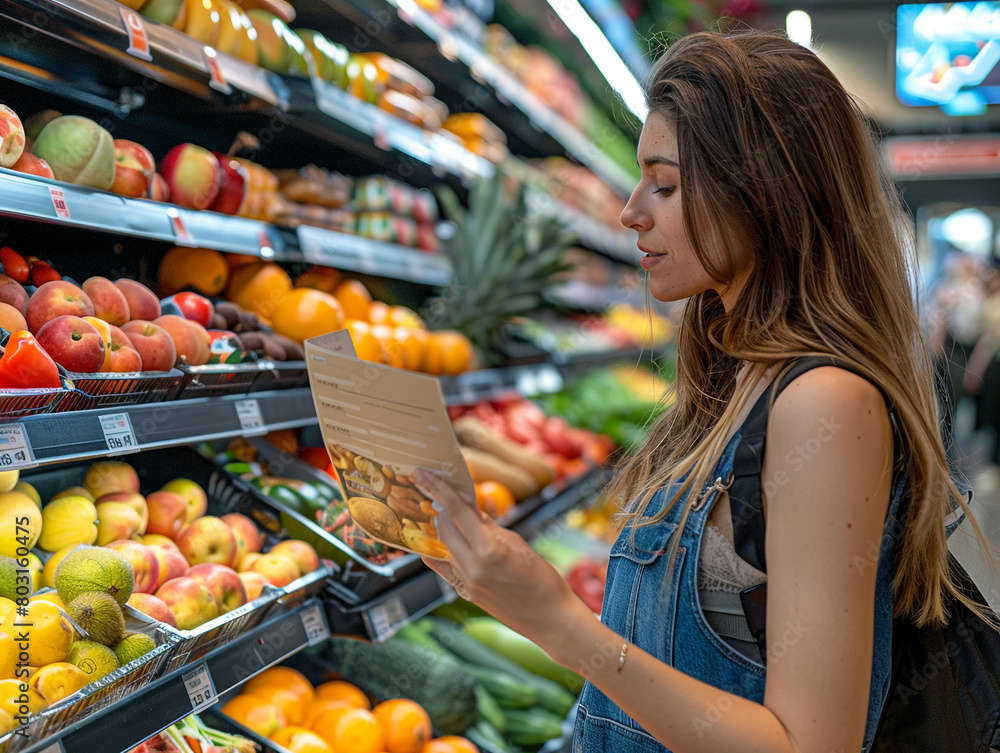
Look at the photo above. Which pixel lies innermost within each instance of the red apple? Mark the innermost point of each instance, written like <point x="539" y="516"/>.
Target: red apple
<point x="32" y="165"/>
<point x="109" y="302"/>
<point x="194" y="497"/>
<point x="208" y="539"/>
<point x="248" y="538"/>
<point x="193" y="175"/>
<point x="194" y="307"/>
<point x="134" y="500"/>
<point x="142" y="302"/>
<point x="110" y="476"/>
<point x="158" y="189"/>
<point x="54" y="299"/>
<point x="73" y="344"/>
<point x="233" y="187"/>
<point x="299" y="552"/>
<point x="253" y="583"/>
<point x="172" y="565"/>
<point x="124" y="357"/>
<point x="11" y="137"/>
<point x="191" y="603"/>
<point x="144" y="561"/>
<point x="156" y="347"/>
<point x="166" y="513"/>
<point x="160" y="541"/>
<point x="277" y="568"/>
<point x="187" y="341"/>
<point x="13" y="294"/>
<point x="150" y="606"/>
<point x="134" y="168"/>
<point x="226" y="587"/>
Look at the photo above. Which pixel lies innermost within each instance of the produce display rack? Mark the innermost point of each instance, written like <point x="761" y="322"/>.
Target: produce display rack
<point x="190" y="688"/>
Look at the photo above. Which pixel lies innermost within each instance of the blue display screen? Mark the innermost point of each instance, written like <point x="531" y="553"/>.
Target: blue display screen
<point x="948" y="56"/>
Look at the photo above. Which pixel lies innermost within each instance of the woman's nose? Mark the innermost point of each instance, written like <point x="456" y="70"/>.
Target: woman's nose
<point x="633" y="215"/>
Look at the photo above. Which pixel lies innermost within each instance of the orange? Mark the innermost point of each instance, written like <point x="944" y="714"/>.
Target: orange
<point x="338" y="690"/>
<point x="238" y="260"/>
<point x="258" y="287"/>
<point x="320" y="705"/>
<point x="449" y="744"/>
<point x="387" y="339"/>
<point x="304" y="313"/>
<point x="366" y="345"/>
<point x="202" y="269"/>
<point x="494" y="498"/>
<point x="319" y="278"/>
<point x="283" y="677"/>
<point x="407" y="726"/>
<point x="255" y="713"/>
<point x="300" y="740"/>
<point x="413" y="342"/>
<point x="289" y="701"/>
<point x="400" y="316"/>
<point x="378" y="313"/>
<point x="11" y="319"/>
<point x="286" y="440"/>
<point x="355" y="299"/>
<point x="350" y="730"/>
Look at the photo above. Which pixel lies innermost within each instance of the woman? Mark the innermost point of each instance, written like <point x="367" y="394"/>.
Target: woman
<point x="760" y="202"/>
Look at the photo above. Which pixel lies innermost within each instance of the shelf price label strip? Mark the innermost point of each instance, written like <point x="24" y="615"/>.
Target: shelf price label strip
<point x="118" y="434"/>
<point x="314" y="622"/>
<point x="384" y="619"/>
<point x="199" y="686"/>
<point x="250" y="418"/>
<point x="15" y="449"/>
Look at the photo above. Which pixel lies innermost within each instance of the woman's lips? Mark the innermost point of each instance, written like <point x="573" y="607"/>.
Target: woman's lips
<point x="651" y="258"/>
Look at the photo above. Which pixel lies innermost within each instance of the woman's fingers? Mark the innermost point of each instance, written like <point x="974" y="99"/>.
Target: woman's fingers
<point x="462" y="512"/>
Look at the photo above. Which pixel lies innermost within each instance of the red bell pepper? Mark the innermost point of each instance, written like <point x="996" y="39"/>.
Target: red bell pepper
<point x="25" y="365"/>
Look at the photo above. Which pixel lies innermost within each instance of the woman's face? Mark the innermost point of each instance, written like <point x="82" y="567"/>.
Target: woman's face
<point x="655" y="212"/>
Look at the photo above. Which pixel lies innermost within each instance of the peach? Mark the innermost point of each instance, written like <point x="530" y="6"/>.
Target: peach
<point x="13" y="294"/>
<point x="11" y="319"/>
<point x="134" y="500"/>
<point x="277" y="568"/>
<point x="226" y="586"/>
<point x="109" y="302"/>
<point x="187" y="340"/>
<point x="160" y="541"/>
<point x="32" y="165"/>
<point x="73" y="343"/>
<point x="208" y="539"/>
<point x="192" y="174"/>
<point x="166" y="513"/>
<point x="142" y="302"/>
<point x="248" y="538"/>
<point x="172" y="565"/>
<point x="144" y="563"/>
<point x="191" y="603"/>
<point x="299" y="552"/>
<point x="156" y="347"/>
<point x="116" y="521"/>
<point x="110" y="476"/>
<point x="194" y="497"/>
<point x="122" y="355"/>
<point x="134" y="168"/>
<point x="54" y="299"/>
<point x="253" y="583"/>
<point x="12" y="137"/>
<point x="153" y="607"/>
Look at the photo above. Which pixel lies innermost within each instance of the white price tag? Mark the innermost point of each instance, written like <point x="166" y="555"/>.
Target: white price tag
<point x="118" y="434"/>
<point x="59" y="202"/>
<point x="199" y="686"/>
<point x="315" y="624"/>
<point x="386" y="618"/>
<point x="251" y="420"/>
<point x="15" y="450"/>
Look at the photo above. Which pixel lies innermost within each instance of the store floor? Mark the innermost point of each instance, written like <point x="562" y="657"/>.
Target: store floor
<point x="985" y="479"/>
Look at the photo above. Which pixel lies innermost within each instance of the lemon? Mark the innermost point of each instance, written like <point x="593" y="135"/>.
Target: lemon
<point x="22" y="523"/>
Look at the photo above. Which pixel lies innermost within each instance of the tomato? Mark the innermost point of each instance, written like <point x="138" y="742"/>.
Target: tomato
<point x="14" y="265"/>
<point x="195" y="307"/>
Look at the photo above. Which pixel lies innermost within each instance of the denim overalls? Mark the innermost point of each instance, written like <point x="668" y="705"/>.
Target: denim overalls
<point x="659" y="612"/>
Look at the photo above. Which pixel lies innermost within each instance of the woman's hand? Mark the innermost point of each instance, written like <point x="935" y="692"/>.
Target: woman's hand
<point x="496" y="569"/>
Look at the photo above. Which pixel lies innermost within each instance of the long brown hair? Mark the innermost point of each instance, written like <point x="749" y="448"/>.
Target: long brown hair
<point x="777" y="158"/>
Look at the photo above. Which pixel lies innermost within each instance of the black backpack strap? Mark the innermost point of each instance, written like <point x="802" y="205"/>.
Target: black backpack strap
<point x="745" y="498"/>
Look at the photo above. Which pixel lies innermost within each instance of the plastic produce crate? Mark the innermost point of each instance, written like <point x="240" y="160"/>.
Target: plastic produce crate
<point x="103" y="692"/>
<point x="354" y="579"/>
<point x="18" y="404"/>
<point x="215" y="380"/>
<point x="101" y="390"/>
<point x="280" y="375"/>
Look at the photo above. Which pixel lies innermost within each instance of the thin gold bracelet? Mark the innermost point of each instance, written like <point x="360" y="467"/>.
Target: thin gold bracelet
<point x="621" y="657"/>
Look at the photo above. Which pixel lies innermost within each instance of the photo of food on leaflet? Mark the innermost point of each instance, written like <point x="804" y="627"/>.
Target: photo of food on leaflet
<point x="379" y="424"/>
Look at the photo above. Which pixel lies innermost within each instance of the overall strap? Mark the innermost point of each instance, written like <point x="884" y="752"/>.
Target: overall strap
<point x="745" y="497"/>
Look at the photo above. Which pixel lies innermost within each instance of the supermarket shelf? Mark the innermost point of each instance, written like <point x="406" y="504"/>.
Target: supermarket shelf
<point x="101" y="25"/>
<point x="532" y="379"/>
<point x="31" y="197"/>
<point x="169" y="699"/>
<point x="617" y="244"/>
<point x="550" y="505"/>
<point x="120" y="430"/>
<point x="509" y="88"/>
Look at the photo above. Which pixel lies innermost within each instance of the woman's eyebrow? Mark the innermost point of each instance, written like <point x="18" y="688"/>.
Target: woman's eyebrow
<point x="658" y="160"/>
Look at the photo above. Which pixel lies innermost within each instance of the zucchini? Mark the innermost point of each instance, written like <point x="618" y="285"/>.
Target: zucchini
<point x="505" y="688"/>
<point x="551" y="695"/>
<point x="519" y="649"/>
<point x="488" y="737"/>
<point x="488" y="709"/>
<point x="286" y="496"/>
<point x="397" y="669"/>
<point x="532" y="726"/>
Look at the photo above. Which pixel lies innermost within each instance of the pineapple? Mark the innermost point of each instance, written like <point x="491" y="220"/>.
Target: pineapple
<point x="503" y="257"/>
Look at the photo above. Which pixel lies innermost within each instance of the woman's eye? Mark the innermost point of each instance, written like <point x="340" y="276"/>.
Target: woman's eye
<point x="666" y="190"/>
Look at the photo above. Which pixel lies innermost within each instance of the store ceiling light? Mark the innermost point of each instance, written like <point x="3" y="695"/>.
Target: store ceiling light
<point x="603" y="53"/>
<point x="799" y="26"/>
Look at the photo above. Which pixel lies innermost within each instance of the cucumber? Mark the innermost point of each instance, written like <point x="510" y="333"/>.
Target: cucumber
<point x="488" y="709"/>
<point x="519" y="649"/>
<point x="286" y="496"/>
<point x="488" y="737"/>
<point x="505" y="688"/>
<point x="551" y="695"/>
<point x="397" y="669"/>
<point x="532" y="726"/>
